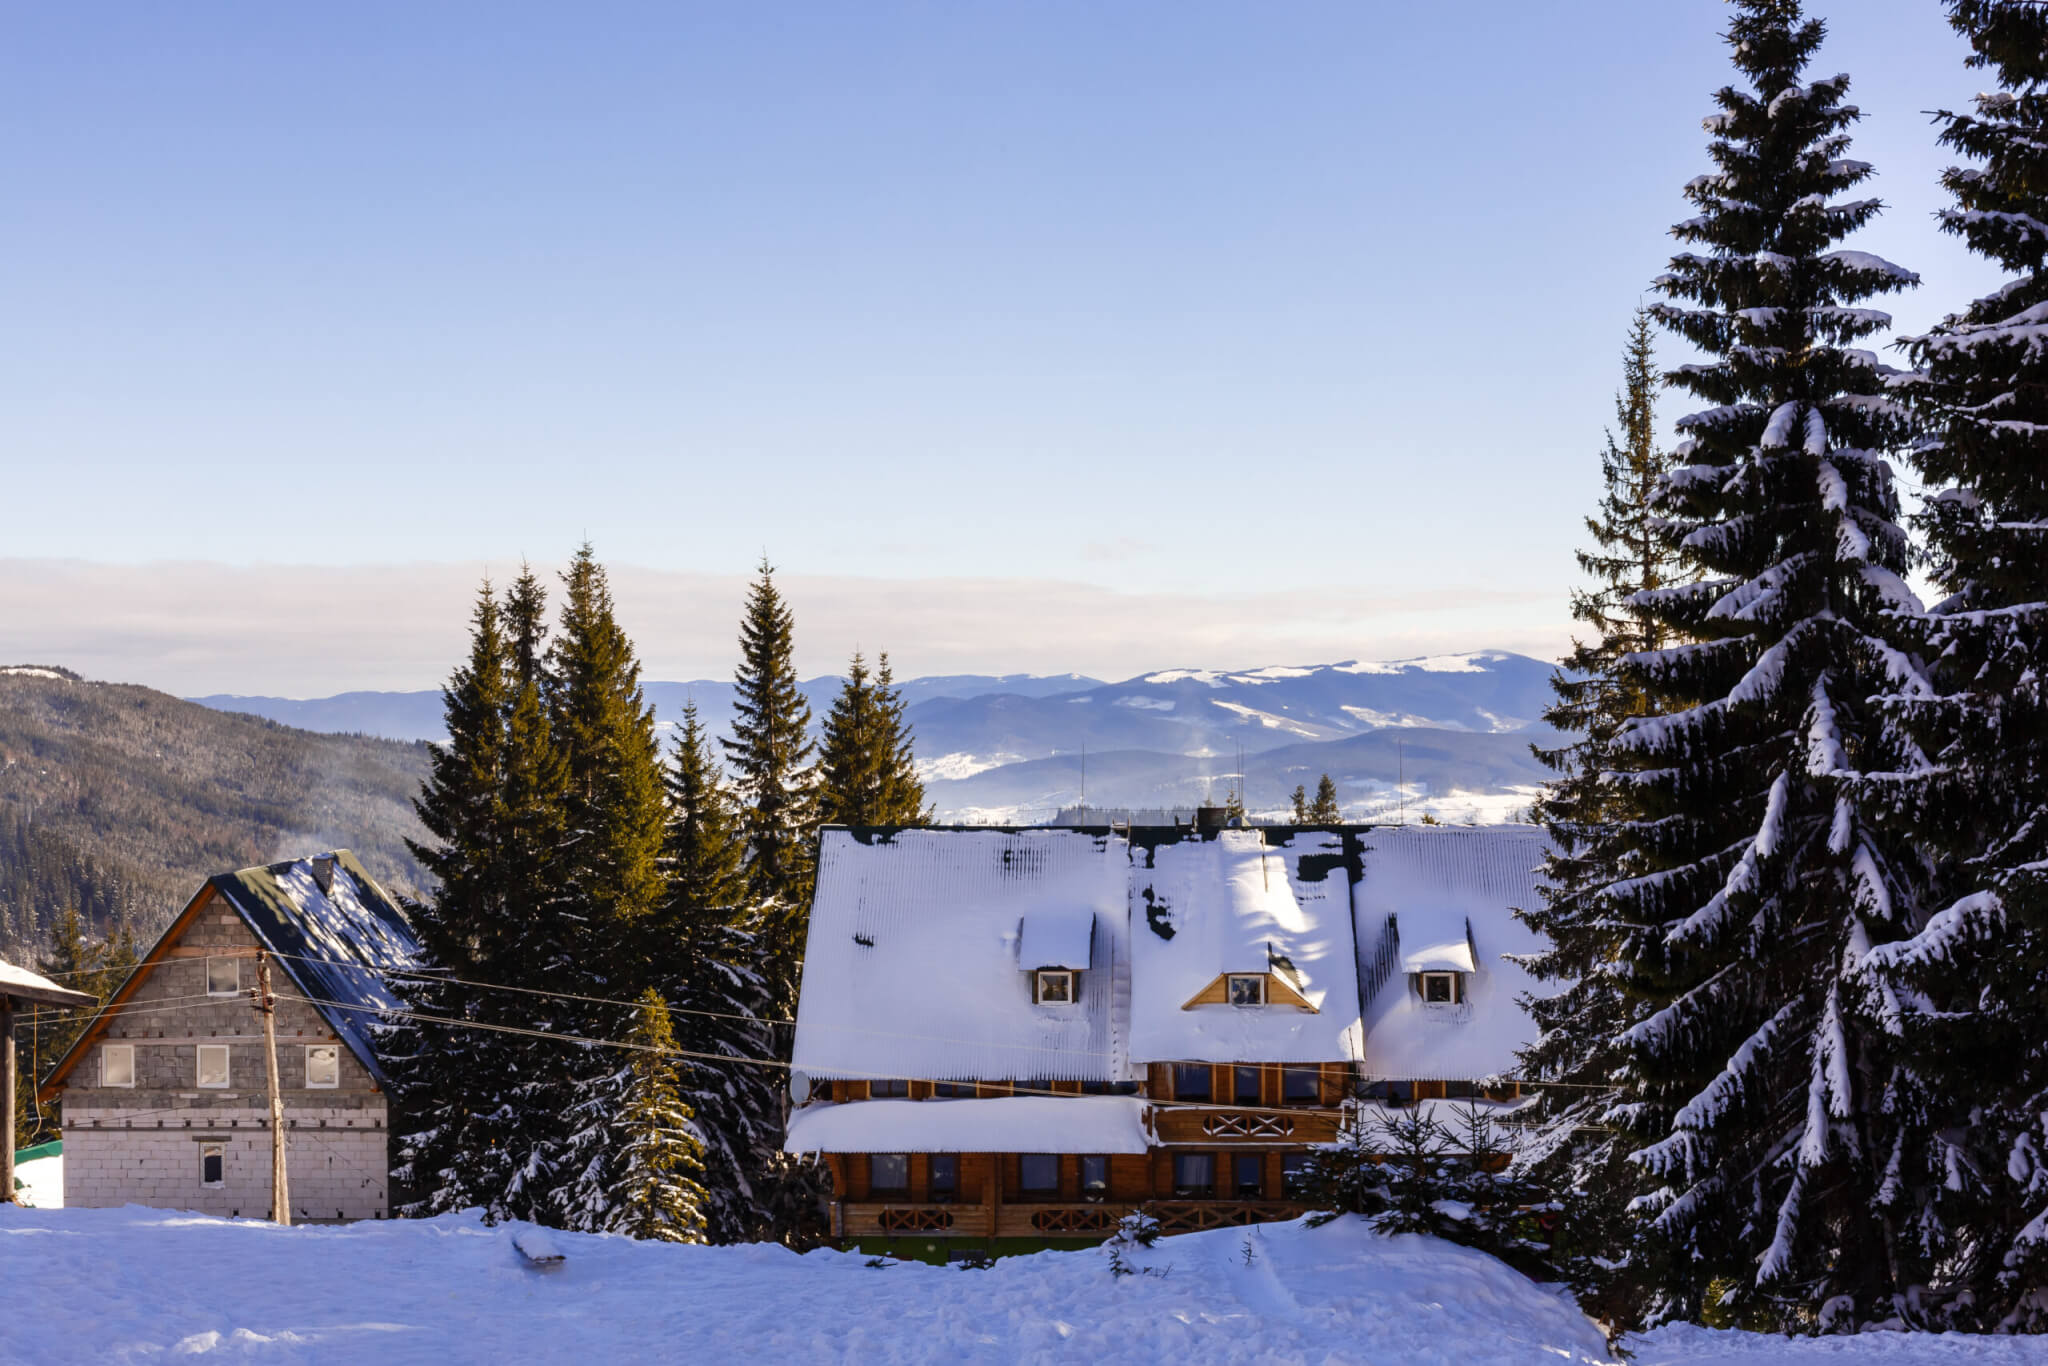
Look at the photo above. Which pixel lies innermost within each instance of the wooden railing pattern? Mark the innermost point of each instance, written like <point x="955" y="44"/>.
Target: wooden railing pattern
<point x="1248" y="1124"/>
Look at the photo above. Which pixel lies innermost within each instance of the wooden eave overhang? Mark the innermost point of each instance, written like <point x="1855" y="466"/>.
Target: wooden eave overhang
<point x="20" y="994"/>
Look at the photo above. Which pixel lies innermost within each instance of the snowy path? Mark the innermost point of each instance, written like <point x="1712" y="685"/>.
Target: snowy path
<point x="134" y="1284"/>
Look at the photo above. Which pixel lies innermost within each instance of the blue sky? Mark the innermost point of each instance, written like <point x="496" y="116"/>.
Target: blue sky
<point x="1238" y="303"/>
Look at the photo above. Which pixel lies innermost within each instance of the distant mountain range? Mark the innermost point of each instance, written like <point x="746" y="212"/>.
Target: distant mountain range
<point x="1455" y="729"/>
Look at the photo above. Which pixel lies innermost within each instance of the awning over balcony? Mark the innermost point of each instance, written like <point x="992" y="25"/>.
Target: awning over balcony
<point x="1006" y="1124"/>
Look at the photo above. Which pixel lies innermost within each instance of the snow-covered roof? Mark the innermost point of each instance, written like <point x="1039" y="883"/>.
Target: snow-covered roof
<point x="1007" y="1124"/>
<point x="1202" y="908"/>
<point x="336" y="933"/>
<point x="1424" y="889"/>
<point x="1057" y="937"/>
<point x="913" y="967"/>
<point x="33" y="986"/>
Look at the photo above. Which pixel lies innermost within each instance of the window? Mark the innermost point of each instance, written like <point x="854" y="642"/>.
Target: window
<point x="213" y="1160"/>
<point x="1247" y="988"/>
<point x="888" y="1173"/>
<point x="1441" y="988"/>
<point x="945" y="1176"/>
<point x="1248" y="1176"/>
<point x="1039" y="1174"/>
<point x="223" y="976"/>
<point x="1391" y="1092"/>
<point x="1245" y="1085"/>
<point x="1191" y="1081"/>
<point x="1302" y="1085"/>
<point x="1055" y="988"/>
<point x="953" y="1090"/>
<point x="1109" y="1088"/>
<point x="323" y="1064"/>
<point x="888" y="1087"/>
<point x="1294" y="1169"/>
<point x="1094" y="1178"/>
<point x="1194" y="1175"/>
<point x="117" y="1064"/>
<point x="213" y="1065"/>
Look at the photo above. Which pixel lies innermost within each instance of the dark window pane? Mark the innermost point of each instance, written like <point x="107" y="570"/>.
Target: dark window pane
<point x="945" y="1175"/>
<point x="1294" y="1175"/>
<point x="1109" y="1088"/>
<point x="883" y="1089"/>
<point x="1247" y="1085"/>
<point x="1247" y="991"/>
<point x="1194" y="1175"/>
<point x="1191" y="1081"/>
<point x="1303" y="1085"/>
<point x="210" y="1165"/>
<point x="888" y="1172"/>
<point x="1439" y="987"/>
<point x="1248" y="1175"/>
<point x="953" y="1090"/>
<point x="1095" y="1177"/>
<point x="1459" y="1090"/>
<point x="1055" y="988"/>
<point x="1040" y="1173"/>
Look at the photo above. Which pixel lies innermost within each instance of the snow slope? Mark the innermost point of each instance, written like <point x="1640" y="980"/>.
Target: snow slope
<point x="451" y="1291"/>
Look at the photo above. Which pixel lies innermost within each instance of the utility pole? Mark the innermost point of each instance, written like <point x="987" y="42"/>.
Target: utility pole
<point x="266" y="1006"/>
<point x="6" y="1101"/>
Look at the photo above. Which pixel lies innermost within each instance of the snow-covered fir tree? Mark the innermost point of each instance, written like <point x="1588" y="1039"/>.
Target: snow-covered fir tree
<point x="655" y="1188"/>
<point x="770" y="751"/>
<point x="866" y="772"/>
<point x="1758" y="879"/>
<point x="709" y="969"/>
<point x="1968" y="1172"/>
<point x="1581" y="1017"/>
<point x="1325" y="809"/>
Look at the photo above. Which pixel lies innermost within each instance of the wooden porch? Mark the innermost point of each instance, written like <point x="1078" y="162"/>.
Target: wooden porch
<point x="867" y="1219"/>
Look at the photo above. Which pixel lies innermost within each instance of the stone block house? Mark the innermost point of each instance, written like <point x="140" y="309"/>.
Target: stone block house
<point x="164" y="1098"/>
<point x="1012" y="1037"/>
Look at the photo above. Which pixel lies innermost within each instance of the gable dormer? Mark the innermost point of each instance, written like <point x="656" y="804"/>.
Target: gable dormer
<point x="1249" y="989"/>
<point x="1055" y="947"/>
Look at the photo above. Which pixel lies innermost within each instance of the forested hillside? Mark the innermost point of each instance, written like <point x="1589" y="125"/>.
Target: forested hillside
<point x="120" y="800"/>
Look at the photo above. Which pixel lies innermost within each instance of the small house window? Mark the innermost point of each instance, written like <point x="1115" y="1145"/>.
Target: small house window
<point x="1441" y="988"/>
<point x="1191" y="1081"/>
<point x="953" y="1090"/>
<point x="1248" y="1175"/>
<point x="213" y="1065"/>
<point x="1039" y="1173"/>
<point x="1094" y="1178"/>
<point x="1055" y="987"/>
<point x="1109" y="1088"/>
<point x="213" y="1160"/>
<point x="888" y="1088"/>
<point x="888" y="1173"/>
<point x="1245" y="1085"/>
<point x="1194" y="1175"/>
<point x="117" y="1064"/>
<point x="323" y="1064"/>
<point x="223" y="976"/>
<point x="945" y="1176"/>
<point x="1302" y="1085"/>
<point x="1247" y="989"/>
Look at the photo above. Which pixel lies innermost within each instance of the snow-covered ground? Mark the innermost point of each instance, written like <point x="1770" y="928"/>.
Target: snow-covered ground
<point x="135" y="1284"/>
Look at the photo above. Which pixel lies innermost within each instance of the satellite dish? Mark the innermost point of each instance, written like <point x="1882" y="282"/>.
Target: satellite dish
<point x="799" y="1088"/>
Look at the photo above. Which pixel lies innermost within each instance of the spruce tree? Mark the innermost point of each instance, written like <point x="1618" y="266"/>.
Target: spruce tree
<point x="526" y="628"/>
<point x="770" y="751"/>
<point x="1325" y="809"/>
<point x="710" y="968"/>
<point x="657" y="1193"/>
<point x="1968" y="1172"/>
<point x="1581" y="1016"/>
<point x="1300" y="801"/>
<point x="1758" y="875"/>
<point x="866" y="774"/>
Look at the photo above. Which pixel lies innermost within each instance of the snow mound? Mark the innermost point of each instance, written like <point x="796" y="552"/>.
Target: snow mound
<point x="450" y="1290"/>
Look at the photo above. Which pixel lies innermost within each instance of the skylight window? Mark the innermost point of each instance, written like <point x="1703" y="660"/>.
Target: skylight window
<point x="1441" y="988"/>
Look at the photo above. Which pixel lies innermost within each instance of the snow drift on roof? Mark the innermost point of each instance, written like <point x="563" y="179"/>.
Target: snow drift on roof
<point x="1428" y="878"/>
<point x="12" y="976"/>
<point x="1435" y="939"/>
<point x="1205" y="907"/>
<point x="1007" y="1124"/>
<point x="911" y="968"/>
<point x="1058" y="937"/>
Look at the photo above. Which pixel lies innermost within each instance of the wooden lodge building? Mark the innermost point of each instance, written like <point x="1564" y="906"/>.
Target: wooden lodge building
<point x="164" y="1099"/>
<point x="1023" y="1034"/>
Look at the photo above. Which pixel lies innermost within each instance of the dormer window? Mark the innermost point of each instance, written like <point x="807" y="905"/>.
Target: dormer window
<point x="1053" y="987"/>
<point x="1247" y="989"/>
<point x="1442" y="988"/>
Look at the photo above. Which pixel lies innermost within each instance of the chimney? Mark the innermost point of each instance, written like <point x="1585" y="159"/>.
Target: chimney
<point x="323" y="873"/>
